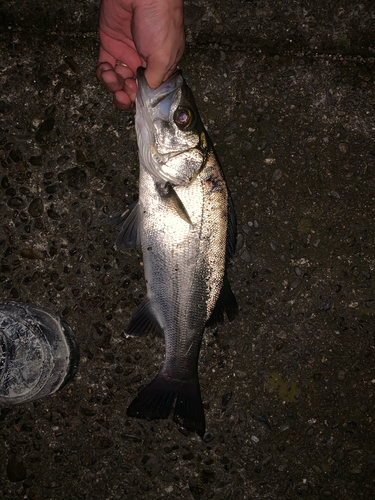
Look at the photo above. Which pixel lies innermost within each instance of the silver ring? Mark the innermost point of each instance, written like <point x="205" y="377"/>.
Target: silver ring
<point x="119" y="63"/>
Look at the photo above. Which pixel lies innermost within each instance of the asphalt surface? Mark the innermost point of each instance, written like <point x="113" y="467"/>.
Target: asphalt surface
<point x="286" y="91"/>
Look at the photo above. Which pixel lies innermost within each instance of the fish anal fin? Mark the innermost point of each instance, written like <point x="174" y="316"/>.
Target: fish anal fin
<point x="128" y="222"/>
<point x="143" y="321"/>
<point x="225" y="303"/>
<point x="156" y="401"/>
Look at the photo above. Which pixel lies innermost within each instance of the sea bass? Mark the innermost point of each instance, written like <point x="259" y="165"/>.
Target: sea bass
<point x="185" y="223"/>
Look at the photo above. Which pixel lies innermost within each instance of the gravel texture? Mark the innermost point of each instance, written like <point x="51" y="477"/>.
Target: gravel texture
<point x="286" y="91"/>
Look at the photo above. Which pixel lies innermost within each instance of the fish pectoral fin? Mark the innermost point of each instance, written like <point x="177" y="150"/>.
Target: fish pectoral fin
<point x="180" y="209"/>
<point x="173" y="201"/>
<point x="157" y="399"/>
<point x="225" y="303"/>
<point x="143" y="321"/>
<point x="129" y="223"/>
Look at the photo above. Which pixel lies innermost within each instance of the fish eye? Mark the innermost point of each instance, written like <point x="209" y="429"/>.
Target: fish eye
<point x="184" y="118"/>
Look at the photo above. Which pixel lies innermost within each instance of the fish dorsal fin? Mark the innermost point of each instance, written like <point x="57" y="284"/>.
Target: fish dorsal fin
<point x="128" y="222"/>
<point x="143" y="321"/>
<point x="171" y="198"/>
<point x="225" y="303"/>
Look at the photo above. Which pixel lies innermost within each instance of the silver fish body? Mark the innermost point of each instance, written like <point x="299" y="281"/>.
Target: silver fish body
<point x="185" y="223"/>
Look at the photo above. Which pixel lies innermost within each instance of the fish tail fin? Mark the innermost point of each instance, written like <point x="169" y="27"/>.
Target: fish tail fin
<point x="157" y="398"/>
<point x="189" y="410"/>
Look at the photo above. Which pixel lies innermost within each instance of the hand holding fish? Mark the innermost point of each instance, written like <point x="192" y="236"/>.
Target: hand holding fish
<point x="133" y="33"/>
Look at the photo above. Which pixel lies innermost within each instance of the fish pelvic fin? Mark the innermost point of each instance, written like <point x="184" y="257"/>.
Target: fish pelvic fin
<point x="143" y="321"/>
<point x="128" y="222"/>
<point x="225" y="303"/>
<point x="156" y="401"/>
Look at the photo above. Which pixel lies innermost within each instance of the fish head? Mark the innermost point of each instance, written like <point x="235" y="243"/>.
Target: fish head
<point x="171" y="138"/>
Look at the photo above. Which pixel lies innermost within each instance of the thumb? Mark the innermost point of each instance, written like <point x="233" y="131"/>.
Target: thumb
<point x="156" y="71"/>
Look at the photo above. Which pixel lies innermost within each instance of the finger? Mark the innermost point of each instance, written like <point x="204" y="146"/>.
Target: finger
<point x="123" y="70"/>
<point x="157" y="68"/>
<point x="119" y="50"/>
<point x="132" y="59"/>
<point x="130" y="87"/>
<point x="105" y="57"/>
<point x="122" y="101"/>
<point x="102" y="67"/>
<point x="162" y="64"/>
<point x="169" y="73"/>
<point x="108" y="76"/>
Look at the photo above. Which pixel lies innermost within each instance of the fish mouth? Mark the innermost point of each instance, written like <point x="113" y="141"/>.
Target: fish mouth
<point x="163" y="96"/>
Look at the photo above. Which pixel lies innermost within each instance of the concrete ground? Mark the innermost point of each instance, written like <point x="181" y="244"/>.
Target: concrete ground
<point x="286" y="90"/>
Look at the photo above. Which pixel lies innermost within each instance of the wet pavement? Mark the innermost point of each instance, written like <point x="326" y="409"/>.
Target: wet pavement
<point x="287" y="95"/>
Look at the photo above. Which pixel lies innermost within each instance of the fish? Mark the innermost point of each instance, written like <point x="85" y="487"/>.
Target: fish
<point x="185" y="223"/>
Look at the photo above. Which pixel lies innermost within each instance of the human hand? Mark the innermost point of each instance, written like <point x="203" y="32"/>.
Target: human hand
<point x="133" y="33"/>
